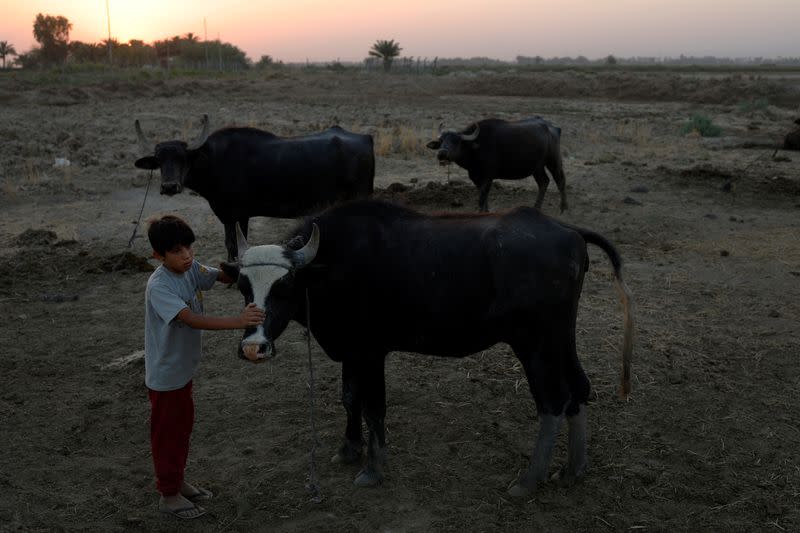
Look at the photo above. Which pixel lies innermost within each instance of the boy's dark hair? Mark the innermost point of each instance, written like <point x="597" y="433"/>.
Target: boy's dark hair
<point x="167" y="232"/>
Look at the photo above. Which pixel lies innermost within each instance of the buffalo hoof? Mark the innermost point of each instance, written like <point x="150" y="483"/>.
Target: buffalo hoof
<point x="524" y="486"/>
<point x="566" y="476"/>
<point x="369" y="478"/>
<point x="348" y="454"/>
<point x="519" y="491"/>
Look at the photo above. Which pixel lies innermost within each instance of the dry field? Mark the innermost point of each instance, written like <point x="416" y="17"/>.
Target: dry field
<point x="708" y="229"/>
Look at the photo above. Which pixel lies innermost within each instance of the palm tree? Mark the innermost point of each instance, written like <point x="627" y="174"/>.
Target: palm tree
<point x="385" y="50"/>
<point x="6" y="50"/>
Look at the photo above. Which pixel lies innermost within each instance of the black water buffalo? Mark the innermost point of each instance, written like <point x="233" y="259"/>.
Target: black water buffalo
<point x="792" y="139"/>
<point x="246" y="172"/>
<point x="382" y="278"/>
<point x="496" y="149"/>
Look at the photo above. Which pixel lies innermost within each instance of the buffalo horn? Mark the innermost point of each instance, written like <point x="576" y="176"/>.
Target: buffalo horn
<point x="144" y="146"/>
<point x="472" y="136"/>
<point x="441" y="127"/>
<point x="241" y="242"/>
<point x="306" y="254"/>
<point x="203" y="135"/>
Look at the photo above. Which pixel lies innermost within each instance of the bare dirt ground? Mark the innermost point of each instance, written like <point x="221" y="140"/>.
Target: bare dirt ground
<point x="708" y="230"/>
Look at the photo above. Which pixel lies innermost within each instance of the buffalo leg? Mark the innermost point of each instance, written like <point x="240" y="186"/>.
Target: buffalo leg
<point x="551" y="394"/>
<point x="576" y="448"/>
<point x="351" y="449"/>
<point x="576" y="418"/>
<point x="372" y="388"/>
<point x="230" y="241"/>
<point x="483" y="195"/>
<point x="557" y="171"/>
<point x="542" y="181"/>
<point x="540" y="460"/>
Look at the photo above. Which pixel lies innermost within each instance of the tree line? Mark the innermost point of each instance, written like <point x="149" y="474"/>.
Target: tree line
<point x="188" y="51"/>
<point x="55" y="48"/>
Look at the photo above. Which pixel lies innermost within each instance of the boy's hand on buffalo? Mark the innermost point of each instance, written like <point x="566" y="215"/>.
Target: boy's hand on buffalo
<point x="252" y="316"/>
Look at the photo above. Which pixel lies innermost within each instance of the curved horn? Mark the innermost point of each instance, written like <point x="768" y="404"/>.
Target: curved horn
<point x="202" y="137"/>
<point x="241" y="243"/>
<point x="307" y="253"/>
<point x="144" y="146"/>
<point x="472" y="136"/>
<point x="441" y="127"/>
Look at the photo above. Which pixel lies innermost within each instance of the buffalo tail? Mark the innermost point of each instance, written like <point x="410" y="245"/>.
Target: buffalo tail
<point x="626" y="298"/>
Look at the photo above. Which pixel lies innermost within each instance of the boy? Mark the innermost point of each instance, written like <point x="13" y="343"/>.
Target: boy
<point x="173" y="323"/>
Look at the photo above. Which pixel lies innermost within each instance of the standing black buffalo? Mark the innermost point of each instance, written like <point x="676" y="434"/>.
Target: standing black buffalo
<point x="792" y="139"/>
<point x="246" y="172"/>
<point x="496" y="149"/>
<point x="382" y="278"/>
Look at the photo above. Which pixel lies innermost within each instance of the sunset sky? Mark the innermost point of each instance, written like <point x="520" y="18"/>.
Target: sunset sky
<point x="325" y="30"/>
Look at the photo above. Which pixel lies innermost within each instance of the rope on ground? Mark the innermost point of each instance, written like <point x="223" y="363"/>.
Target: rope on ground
<point x="122" y="257"/>
<point x="139" y="220"/>
<point x="313" y="483"/>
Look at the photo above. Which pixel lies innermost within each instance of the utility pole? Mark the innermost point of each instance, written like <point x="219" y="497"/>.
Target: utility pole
<point x="108" y="16"/>
<point x="205" y="32"/>
<point x="219" y="51"/>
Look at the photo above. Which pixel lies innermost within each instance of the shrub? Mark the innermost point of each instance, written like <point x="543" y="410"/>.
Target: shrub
<point x="702" y="125"/>
<point x="756" y="104"/>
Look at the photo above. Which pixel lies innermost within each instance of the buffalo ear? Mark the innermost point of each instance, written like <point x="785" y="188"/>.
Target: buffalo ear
<point x="434" y="145"/>
<point x="148" y="163"/>
<point x="231" y="270"/>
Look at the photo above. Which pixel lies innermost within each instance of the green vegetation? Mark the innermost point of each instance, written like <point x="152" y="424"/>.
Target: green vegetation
<point x="386" y="51"/>
<point x="702" y="125"/>
<point x="6" y="49"/>
<point x="756" y="104"/>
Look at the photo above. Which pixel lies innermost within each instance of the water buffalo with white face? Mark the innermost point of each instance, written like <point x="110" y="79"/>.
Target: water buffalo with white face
<point x="380" y="278"/>
<point x="497" y="149"/>
<point x="246" y="172"/>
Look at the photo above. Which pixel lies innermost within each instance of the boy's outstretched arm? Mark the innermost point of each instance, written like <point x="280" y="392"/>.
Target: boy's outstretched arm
<point x="250" y="316"/>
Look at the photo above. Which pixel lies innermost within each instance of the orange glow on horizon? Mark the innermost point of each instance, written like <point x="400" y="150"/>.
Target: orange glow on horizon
<point x="320" y="30"/>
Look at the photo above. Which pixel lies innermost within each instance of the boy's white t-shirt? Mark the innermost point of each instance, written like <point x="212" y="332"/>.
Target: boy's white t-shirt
<point x="171" y="348"/>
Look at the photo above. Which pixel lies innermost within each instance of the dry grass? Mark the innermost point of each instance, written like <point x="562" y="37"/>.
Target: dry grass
<point x="639" y="133"/>
<point x="399" y="140"/>
<point x="8" y="188"/>
<point x="32" y="175"/>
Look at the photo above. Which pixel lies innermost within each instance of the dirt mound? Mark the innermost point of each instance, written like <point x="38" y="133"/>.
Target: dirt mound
<point x="125" y="262"/>
<point x="705" y="171"/>
<point x="35" y="237"/>
<point x="430" y="194"/>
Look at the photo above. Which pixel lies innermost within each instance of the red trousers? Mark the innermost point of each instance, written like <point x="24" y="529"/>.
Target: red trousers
<point x="171" y="421"/>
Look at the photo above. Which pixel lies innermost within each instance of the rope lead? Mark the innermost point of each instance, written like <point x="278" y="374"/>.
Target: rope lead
<point x="313" y="483"/>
